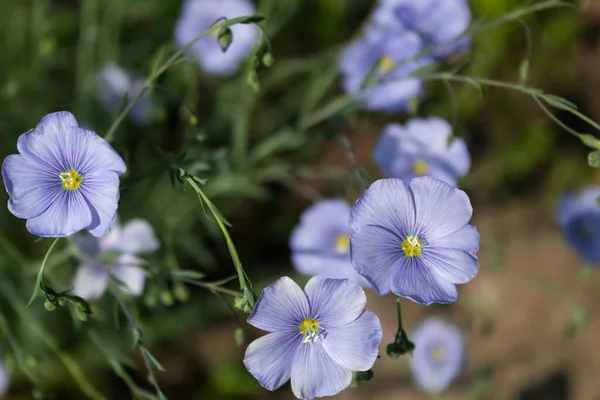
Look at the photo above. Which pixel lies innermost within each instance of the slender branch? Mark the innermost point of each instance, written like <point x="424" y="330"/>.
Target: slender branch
<point x="212" y="288"/>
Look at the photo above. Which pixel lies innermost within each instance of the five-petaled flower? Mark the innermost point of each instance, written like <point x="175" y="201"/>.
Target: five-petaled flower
<point x="422" y="147"/>
<point x="199" y="15"/>
<point x="320" y="244"/>
<point x="389" y="52"/>
<point x="579" y="217"/>
<point x="65" y="178"/>
<point x="124" y="244"/>
<point x="317" y="337"/>
<point x="439" y="23"/>
<point x="415" y="240"/>
<point x="439" y="354"/>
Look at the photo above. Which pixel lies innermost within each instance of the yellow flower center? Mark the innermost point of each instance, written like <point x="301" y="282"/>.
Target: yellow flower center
<point x="386" y="64"/>
<point x="420" y="167"/>
<point x="342" y="244"/>
<point x="70" y="179"/>
<point x="309" y="328"/>
<point x="438" y="354"/>
<point x="412" y="246"/>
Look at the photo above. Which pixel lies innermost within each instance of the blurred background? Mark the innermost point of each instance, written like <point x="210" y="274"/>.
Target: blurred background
<point x="531" y="315"/>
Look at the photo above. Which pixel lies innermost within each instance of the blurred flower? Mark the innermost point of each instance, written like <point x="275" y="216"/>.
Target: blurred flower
<point x="114" y="83"/>
<point x="391" y="47"/>
<point x="4" y="380"/>
<point x="440" y="23"/>
<point x="439" y="354"/>
<point x="414" y="240"/>
<point x="422" y="147"/>
<point x="65" y="178"/>
<point x="579" y="217"/>
<point x="317" y="337"/>
<point x="320" y="244"/>
<point x="198" y="15"/>
<point x="121" y="246"/>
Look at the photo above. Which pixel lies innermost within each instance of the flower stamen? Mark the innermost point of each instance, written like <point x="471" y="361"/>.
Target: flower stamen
<point x="71" y="180"/>
<point x="342" y="244"/>
<point x="412" y="246"/>
<point x="420" y="167"/>
<point x="386" y="64"/>
<point x="310" y="329"/>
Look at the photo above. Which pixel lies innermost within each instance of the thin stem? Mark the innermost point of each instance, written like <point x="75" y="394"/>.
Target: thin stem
<point x="143" y="350"/>
<point x="212" y="288"/>
<point x="172" y="60"/>
<point x="39" y="282"/>
<point x="351" y="155"/>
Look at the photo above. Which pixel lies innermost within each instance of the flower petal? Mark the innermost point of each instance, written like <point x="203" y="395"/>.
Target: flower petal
<point x="4" y="380"/>
<point x="90" y="281"/>
<point x="28" y="186"/>
<point x="112" y="239"/>
<point x="452" y="265"/>
<point x="269" y="359"/>
<point x="387" y="203"/>
<point x="127" y="271"/>
<point x="315" y="374"/>
<point x="102" y="192"/>
<point x="466" y="239"/>
<point x="138" y="237"/>
<point x="67" y="214"/>
<point x="355" y="346"/>
<point x="441" y="209"/>
<point x="415" y="281"/>
<point x="281" y="306"/>
<point x="334" y="302"/>
<point x="375" y="251"/>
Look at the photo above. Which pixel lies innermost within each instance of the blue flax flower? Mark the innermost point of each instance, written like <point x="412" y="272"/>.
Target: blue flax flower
<point x="317" y="336"/>
<point x="440" y="23"/>
<point x="579" y="217"/>
<point x="125" y="243"/>
<point x="320" y="244"/>
<point x="198" y="15"/>
<point x="114" y="83"/>
<point x="415" y="240"/>
<point x="391" y="48"/>
<point x="422" y="147"/>
<point x="65" y="178"/>
<point x="439" y="354"/>
<point x="4" y="380"/>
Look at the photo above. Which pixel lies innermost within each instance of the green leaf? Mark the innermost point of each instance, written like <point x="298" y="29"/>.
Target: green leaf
<point x="524" y="71"/>
<point x="253" y="19"/>
<point x="590" y="141"/>
<point x="559" y="102"/>
<point x="154" y="361"/>
<point x="594" y="159"/>
<point x="188" y="274"/>
<point x="157" y="62"/>
<point x="425" y="70"/>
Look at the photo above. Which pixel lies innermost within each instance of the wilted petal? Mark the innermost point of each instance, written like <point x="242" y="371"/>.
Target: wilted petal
<point x="269" y="359"/>
<point x="138" y="237"/>
<point x="415" y="281"/>
<point x="128" y="272"/>
<point x="355" y="345"/>
<point x="102" y="192"/>
<point x="440" y="208"/>
<point x="315" y="374"/>
<point x="375" y="251"/>
<point x="90" y="281"/>
<point x="452" y="265"/>
<point x="281" y="306"/>
<point x="334" y="302"/>
<point x="67" y="214"/>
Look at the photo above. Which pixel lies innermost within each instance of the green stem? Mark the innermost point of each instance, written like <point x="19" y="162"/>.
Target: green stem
<point x="40" y="276"/>
<point x="172" y="60"/>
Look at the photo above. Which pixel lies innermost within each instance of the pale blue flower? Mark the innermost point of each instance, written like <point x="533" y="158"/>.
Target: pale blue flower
<point x="439" y="355"/>
<point x="422" y="147"/>
<point x="125" y="243"/>
<point x="440" y="23"/>
<point x="393" y="48"/>
<point x="65" y="178"/>
<point x="198" y="15"/>
<point x="317" y="336"/>
<point x="320" y="244"/>
<point x="114" y="83"/>
<point x="4" y="380"/>
<point x="579" y="217"/>
<point x="414" y="240"/>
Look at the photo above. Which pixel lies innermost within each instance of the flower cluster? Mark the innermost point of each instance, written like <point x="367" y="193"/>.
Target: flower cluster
<point x="377" y="66"/>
